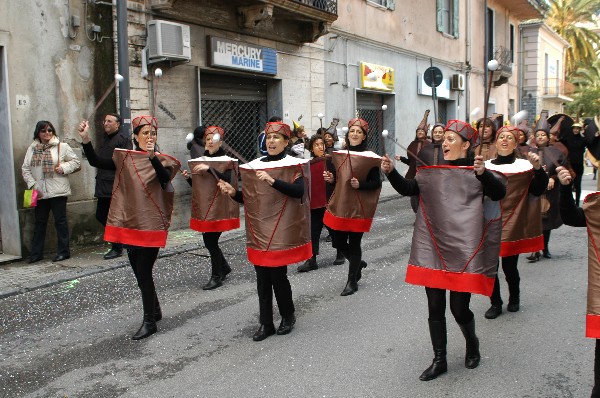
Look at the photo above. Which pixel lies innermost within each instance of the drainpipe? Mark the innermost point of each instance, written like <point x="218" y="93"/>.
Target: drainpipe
<point x="123" y="64"/>
<point x="468" y="62"/>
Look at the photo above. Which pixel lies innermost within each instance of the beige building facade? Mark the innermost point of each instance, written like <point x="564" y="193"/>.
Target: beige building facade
<point x="238" y="63"/>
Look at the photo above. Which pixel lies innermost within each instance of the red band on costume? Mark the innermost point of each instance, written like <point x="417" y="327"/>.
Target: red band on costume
<point x="456" y="281"/>
<point x="214" y="226"/>
<point x="522" y="246"/>
<point x="277" y="258"/>
<point x="135" y="237"/>
<point x="592" y="326"/>
<point x="347" y="224"/>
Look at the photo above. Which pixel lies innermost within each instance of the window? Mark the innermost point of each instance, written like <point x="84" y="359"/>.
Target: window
<point x="447" y="17"/>
<point x="389" y="4"/>
<point x="489" y="36"/>
<point x="512" y="43"/>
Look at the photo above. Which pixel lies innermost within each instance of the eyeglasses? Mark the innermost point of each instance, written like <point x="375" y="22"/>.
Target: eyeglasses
<point x="46" y="131"/>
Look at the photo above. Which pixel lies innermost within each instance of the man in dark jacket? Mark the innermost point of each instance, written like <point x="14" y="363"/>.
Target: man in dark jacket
<point x="111" y="139"/>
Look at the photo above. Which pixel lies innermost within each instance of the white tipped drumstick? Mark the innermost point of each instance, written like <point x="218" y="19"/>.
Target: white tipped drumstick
<point x="118" y="78"/>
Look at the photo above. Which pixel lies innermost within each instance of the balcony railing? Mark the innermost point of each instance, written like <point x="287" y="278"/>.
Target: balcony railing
<point x="505" y="60"/>
<point x="329" y="6"/>
<point x="557" y="87"/>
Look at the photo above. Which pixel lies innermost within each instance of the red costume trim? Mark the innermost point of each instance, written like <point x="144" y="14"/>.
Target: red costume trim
<point x="455" y="281"/>
<point x="347" y="224"/>
<point x="522" y="246"/>
<point x="214" y="226"/>
<point x="279" y="258"/>
<point x="135" y="237"/>
<point x="592" y="326"/>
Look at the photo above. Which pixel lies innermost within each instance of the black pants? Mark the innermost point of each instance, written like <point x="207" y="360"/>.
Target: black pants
<point x="578" y="169"/>
<point x="211" y="242"/>
<point x="271" y="280"/>
<point x="142" y="261"/>
<point x="459" y="305"/>
<point x="102" y="207"/>
<point x="58" y="206"/>
<point x="511" y="272"/>
<point x="349" y="244"/>
<point x="316" y="226"/>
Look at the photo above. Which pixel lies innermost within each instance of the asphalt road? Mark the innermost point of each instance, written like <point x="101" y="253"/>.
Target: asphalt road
<point x="73" y="339"/>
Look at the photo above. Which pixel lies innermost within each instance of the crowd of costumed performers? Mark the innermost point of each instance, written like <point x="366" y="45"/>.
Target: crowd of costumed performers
<point x="514" y="183"/>
<point x="448" y="253"/>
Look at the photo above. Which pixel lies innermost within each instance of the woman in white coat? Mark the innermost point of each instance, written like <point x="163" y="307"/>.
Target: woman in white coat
<point x="46" y="167"/>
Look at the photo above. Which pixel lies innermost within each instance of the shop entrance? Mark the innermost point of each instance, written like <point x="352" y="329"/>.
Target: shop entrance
<point x="239" y="106"/>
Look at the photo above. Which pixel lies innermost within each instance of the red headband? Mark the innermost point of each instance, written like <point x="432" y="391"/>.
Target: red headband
<point x="144" y="120"/>
<point x="214" y="130"/>
<point x="362" y="123"/>
<point x="510" y="129"/>
<point x="464" y="129"/>
<point x="279" y="128"/>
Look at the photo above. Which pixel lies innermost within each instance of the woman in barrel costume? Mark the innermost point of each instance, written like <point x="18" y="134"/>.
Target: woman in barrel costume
<point x="521" y="214"/>
<point x="456" y="237"/>
<point x="588" y="216"/>
<point x="141" y="207"/>
<point x="432" y="155"/>
<point x="353" y="203"/>
<point x="275" y="198"/>
<point x="212" y="212"/>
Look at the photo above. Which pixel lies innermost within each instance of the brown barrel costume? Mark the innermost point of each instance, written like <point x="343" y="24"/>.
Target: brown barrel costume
<point x="591" y="208"/>
<point x="318" y="194"/>
<point x="277" y="226"/>
<point x="450" y="195"/>
<point x="352" y="209"/>
<point x="140" y="209"/>
<point x="521" y="212"/>
<point x="212" y="211"/>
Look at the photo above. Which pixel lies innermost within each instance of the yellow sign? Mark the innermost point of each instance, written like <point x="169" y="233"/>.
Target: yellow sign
<point x="376" y="77"/>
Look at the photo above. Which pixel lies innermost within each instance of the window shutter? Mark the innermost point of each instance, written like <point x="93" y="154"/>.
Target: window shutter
<point x="440" y="15"/>
<point x="455" y="18"/>
<point x="391" y="4"/>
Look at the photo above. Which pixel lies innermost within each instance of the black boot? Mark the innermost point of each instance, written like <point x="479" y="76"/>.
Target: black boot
<point x="309" y="265"/>
<point x="216" y="279"/>
<point x="225" y="269"/>
<point x="351" y="285"/>
<point x="472" y="357"/>
<point x="148" y="327"/>
<point x="363" y="264"/>
<point x="437" y="331"/>
<point x="157" y="311"/>
<point x="546" y="253"/>
<point x="214" y="282"/>
<point x="339" y="258"/>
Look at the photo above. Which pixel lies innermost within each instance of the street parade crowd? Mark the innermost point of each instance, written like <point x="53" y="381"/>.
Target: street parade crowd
<point x="513" y="183"/>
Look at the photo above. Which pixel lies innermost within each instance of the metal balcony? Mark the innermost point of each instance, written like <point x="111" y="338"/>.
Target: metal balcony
<point x="524" y="9"/>
<point x="504" y="57"/>
<point x="292" y="21"/>
<point x="557" y="88"/>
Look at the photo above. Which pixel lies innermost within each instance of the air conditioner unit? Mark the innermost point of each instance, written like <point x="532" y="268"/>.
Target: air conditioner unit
<point x="458" y="82"/>
<point x="168" y="41"/>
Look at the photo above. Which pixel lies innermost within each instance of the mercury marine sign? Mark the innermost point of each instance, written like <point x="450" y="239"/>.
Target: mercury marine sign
<point x="232" y="54"/>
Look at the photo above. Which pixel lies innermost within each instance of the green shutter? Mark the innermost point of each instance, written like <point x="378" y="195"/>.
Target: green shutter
<point x="440" y="15"/>
<point x="455" y="18"/>
<point x="391" y="4"/>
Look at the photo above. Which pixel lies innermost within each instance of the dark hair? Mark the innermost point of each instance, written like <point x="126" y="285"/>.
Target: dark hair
<point x="275" y="119"/>
<point x="312" y="141"/>
<point x="41" y="125"/>
<point x="117" y="116"/>
<point x="322" y="131"/>
<point x="198" y="136"/>
<point x="363" y="145"/>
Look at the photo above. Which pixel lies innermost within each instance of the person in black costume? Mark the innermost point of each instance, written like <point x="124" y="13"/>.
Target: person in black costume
<point x="457" y="152"/>
<point x="576" y="144"/>
<point x="111" y="139"/>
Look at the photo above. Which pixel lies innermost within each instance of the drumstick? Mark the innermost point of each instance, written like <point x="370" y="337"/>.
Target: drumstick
<point x="385" y="133"/>
<point x="118" y="78"/>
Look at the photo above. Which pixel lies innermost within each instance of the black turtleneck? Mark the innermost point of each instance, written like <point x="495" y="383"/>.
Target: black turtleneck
<point x="492" y="187"/>
<point x="508" y="159"/>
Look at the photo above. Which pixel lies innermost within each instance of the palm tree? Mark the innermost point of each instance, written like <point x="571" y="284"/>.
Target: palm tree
<point x="570" y="18"/>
